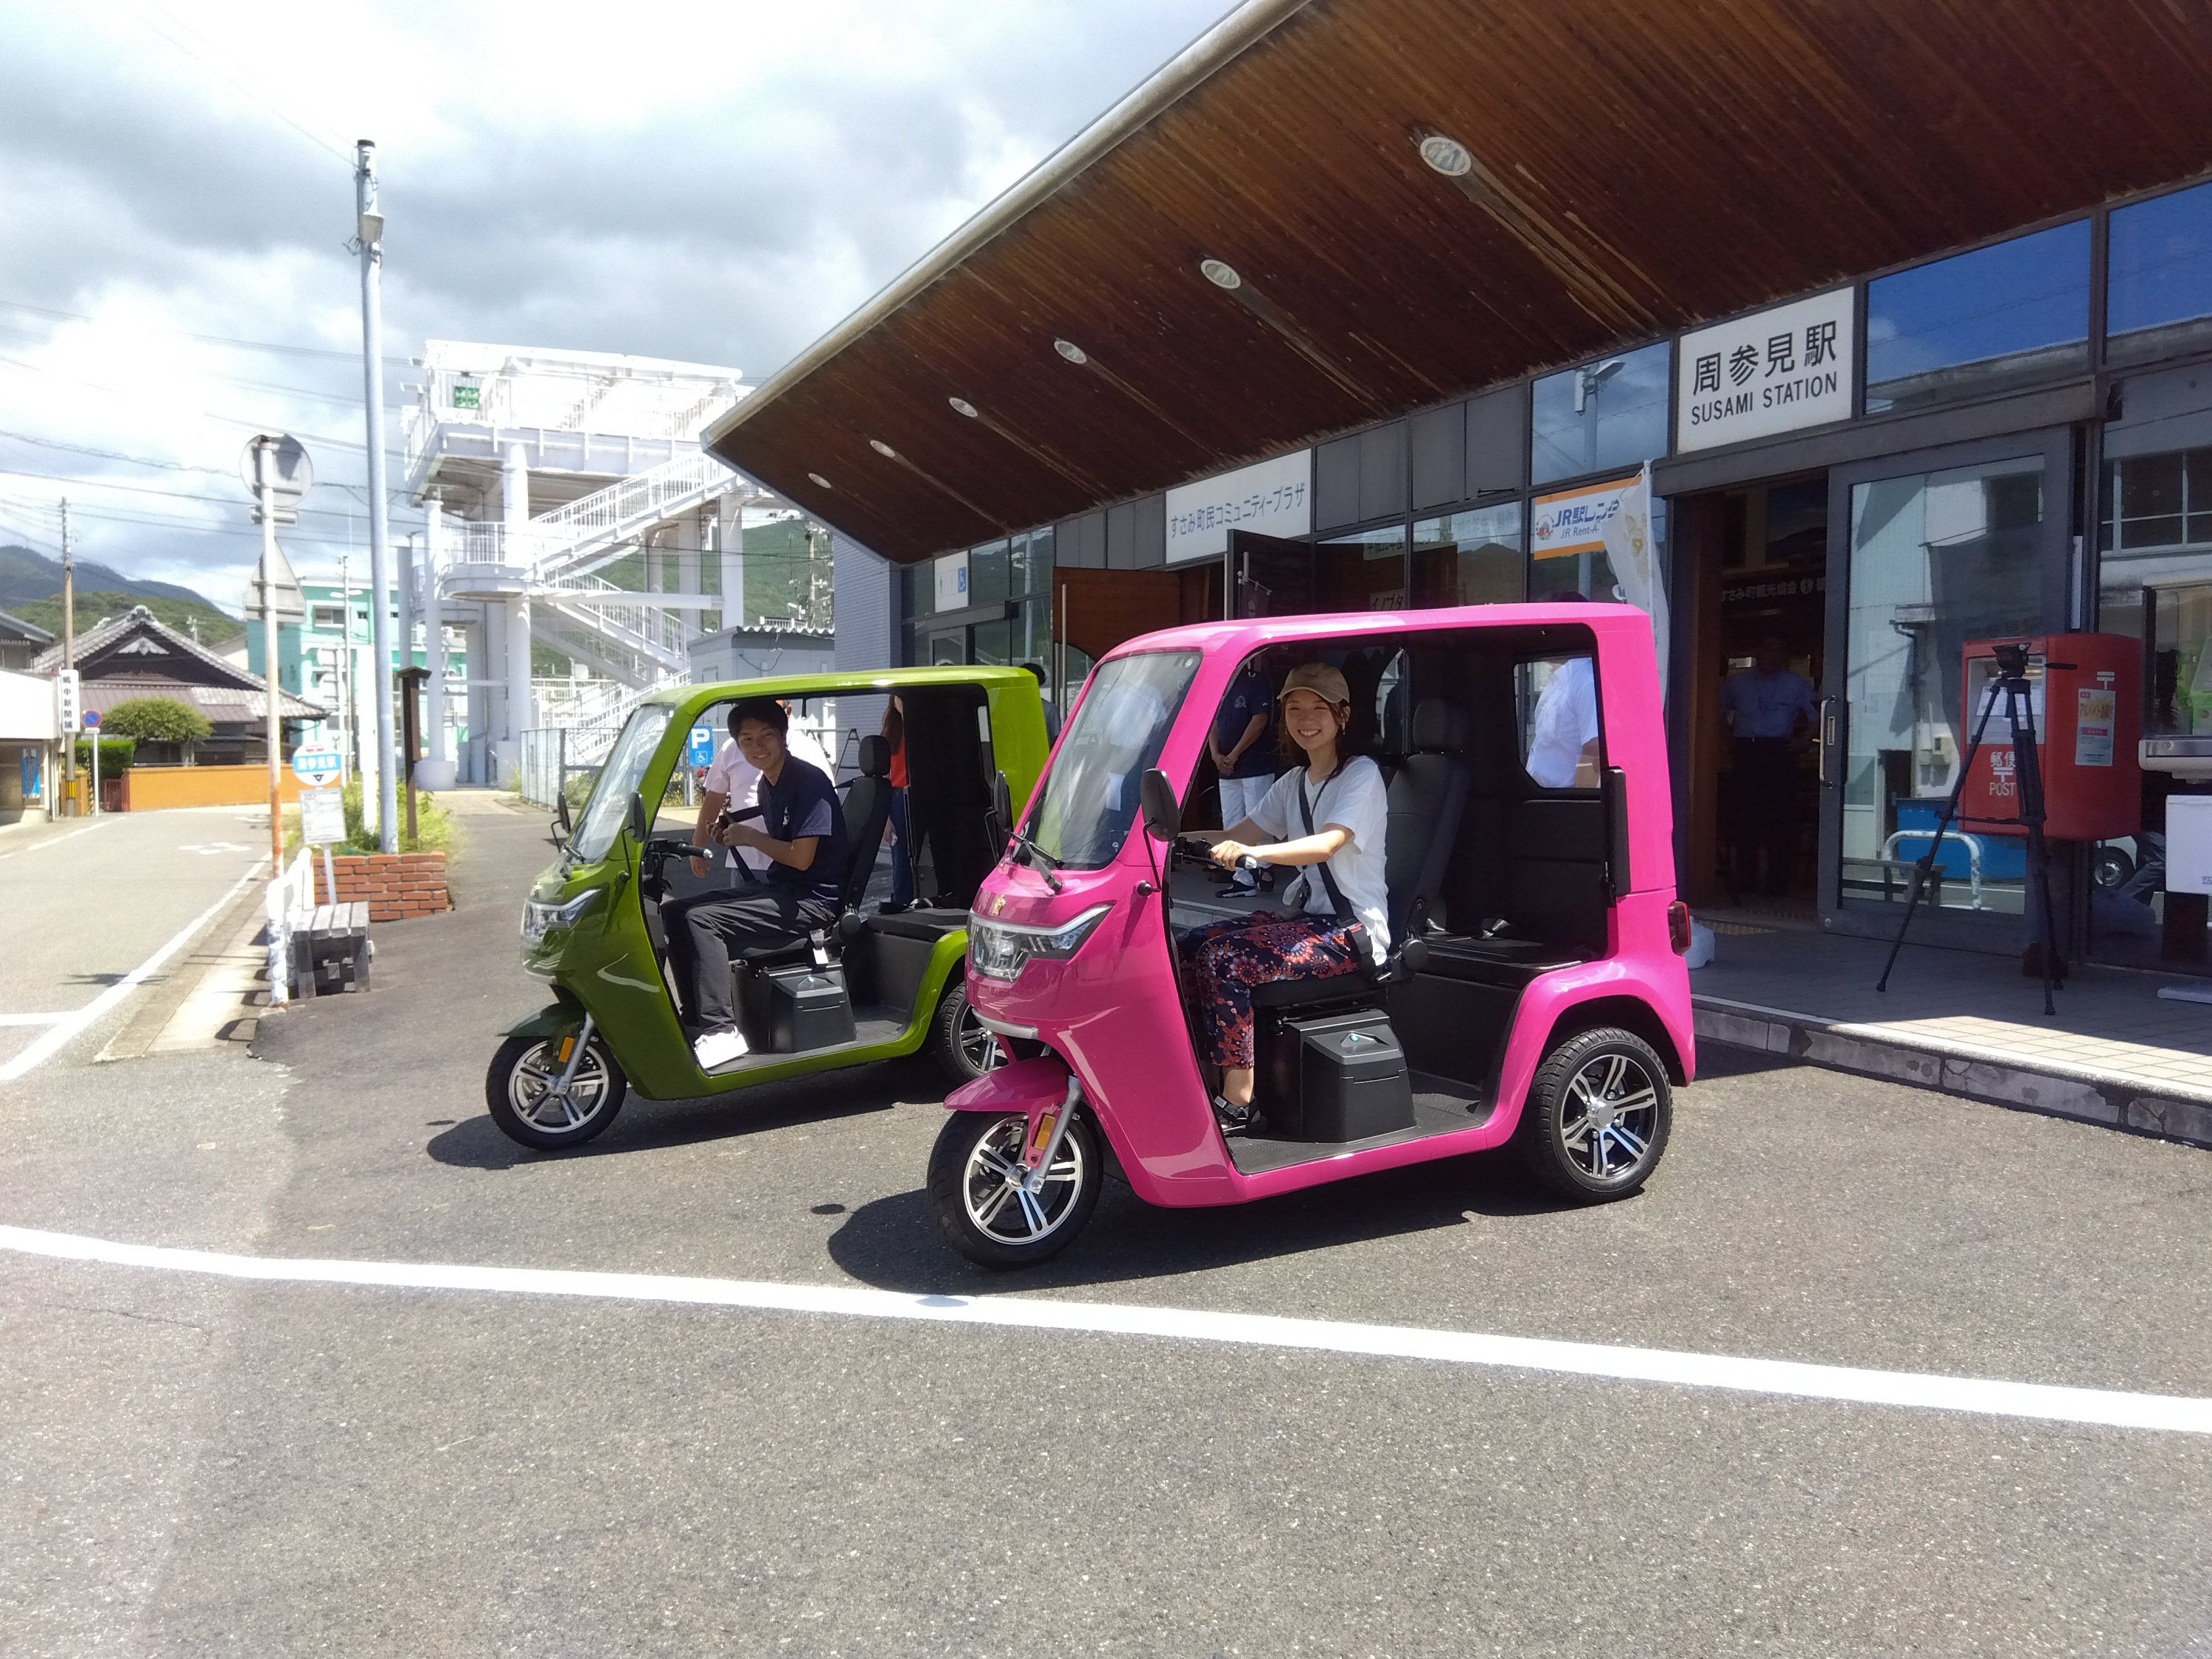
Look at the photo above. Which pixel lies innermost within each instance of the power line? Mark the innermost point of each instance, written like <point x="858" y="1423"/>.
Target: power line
<point x="206" y="340"/>
<point x="239" y="499"/>
<point x="204" y="414"/>
<point x="112" y="455"/>
<point x="214" y="62"/>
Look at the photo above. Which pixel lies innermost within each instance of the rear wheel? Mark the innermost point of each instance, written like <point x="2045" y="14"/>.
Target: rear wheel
<point x="980" y="1203"/>
<point x="1595" y="1122"/>
<point x="522" y="1091"/>
<point x="965" y="1049"/>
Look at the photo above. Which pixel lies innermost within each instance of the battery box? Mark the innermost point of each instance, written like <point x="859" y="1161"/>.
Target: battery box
<point x="796" y="1010"/>
<point x="1332" y="1077"/>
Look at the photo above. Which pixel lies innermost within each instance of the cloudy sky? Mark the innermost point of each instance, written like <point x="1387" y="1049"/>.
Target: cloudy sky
<point x="717" y="183"/>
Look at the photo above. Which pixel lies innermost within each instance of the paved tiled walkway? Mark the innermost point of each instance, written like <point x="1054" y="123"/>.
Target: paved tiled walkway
<point x="2112" y="1026"/>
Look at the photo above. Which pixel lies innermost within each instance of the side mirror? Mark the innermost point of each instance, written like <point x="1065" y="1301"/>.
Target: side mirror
<point x="1162" y="813"/>
<point x="1002" y="809"/>
<point x="561" y="827"/>
<point x="638" y="823"/>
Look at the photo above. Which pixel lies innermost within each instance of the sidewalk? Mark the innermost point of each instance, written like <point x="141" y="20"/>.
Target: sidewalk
<point x="2116" y="1053"/>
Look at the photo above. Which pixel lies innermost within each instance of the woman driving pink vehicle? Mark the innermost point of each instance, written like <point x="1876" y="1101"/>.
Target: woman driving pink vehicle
<point x="1328" y="817"/>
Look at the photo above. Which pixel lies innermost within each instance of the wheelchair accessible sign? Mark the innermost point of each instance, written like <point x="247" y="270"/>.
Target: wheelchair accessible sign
<point x="699" y="746"/>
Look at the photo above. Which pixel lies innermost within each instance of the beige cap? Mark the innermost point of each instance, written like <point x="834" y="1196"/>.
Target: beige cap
<point x="1319" y="678"/>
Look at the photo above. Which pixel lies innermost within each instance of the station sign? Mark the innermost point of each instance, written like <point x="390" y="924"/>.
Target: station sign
<point x="1774" y="371"/>
<point x="1269" y="498"/>
<point x="315" y="767"/>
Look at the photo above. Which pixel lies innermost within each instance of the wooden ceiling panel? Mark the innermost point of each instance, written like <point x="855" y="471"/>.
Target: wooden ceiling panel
<point x="1641" y="168"/>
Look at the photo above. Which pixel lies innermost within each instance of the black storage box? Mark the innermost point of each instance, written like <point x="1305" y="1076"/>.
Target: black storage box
<point x="792" y="1010"/>
<point x="1332" y="1077"/>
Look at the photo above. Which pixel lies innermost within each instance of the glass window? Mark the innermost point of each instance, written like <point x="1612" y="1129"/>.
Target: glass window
<point x="1472" y="557"/>
<point x="608" y="810"/>
<point x="1363" y="571"/>
<point x="1978" y="322"/>
<point x="2155" y="577"/>
<point x="2158" y="295"/>
<point x="918" y="585"/>
<point x="1561" y="745"/>
<point x="1089" y="797"/>
<point x="987" y="574"/>
<point x="1032" y="570"/>
<point x="991" y="643"/>
<point x="1610" y="413"/>
<point x="1937" y="559"/>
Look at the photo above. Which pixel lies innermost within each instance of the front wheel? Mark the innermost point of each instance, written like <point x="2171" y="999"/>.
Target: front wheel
<point x="980" y="1202"/>
<point x="963" y="1049"/>
<point x="1595" y="1122"/>
<point x="522" y="1090"/>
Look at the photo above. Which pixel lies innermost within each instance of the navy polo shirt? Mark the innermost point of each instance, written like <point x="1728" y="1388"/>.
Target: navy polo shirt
<point x="798" y="804"/>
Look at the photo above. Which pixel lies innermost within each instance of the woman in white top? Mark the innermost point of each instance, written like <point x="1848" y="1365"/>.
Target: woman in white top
<point x="1328" y="814"/>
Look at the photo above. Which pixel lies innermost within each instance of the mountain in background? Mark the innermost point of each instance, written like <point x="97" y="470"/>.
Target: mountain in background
<point x="194" y="618"/>
<point x="26" y="577"/>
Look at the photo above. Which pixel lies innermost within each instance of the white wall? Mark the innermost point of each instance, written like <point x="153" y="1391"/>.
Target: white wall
<point x="26" y="708"/>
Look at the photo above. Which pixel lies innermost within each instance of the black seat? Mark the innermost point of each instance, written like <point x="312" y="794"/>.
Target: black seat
<point x="867" y="804"/>
<point x="1428" y="799"/>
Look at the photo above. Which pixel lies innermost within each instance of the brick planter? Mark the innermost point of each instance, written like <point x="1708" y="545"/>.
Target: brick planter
<point x="398" y="885"/>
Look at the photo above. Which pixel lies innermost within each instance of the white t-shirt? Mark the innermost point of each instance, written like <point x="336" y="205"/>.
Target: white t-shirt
<point x="1355" y="799"/>
<point x="734" y="776"/>
<point x="1566" y="720"/>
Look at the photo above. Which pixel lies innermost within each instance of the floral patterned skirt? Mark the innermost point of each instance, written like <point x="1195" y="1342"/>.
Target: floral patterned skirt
<point x="1229" y="958"/>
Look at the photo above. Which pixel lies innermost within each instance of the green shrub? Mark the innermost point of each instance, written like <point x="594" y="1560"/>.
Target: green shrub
<point x="116" y="754"/>
<point x="434" y="828"/>
<point x="156" y="719"/>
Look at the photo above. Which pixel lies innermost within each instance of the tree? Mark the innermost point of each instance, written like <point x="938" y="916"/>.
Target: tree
<point x="157" y="719"/>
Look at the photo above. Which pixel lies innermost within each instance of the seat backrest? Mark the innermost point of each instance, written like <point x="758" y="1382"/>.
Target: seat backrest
<point x="867" y="805"/>
<point x="1427" y="799"/>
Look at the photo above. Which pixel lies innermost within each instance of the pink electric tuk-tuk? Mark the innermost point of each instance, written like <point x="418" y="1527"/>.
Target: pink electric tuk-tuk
<point x="1533" y="993"/>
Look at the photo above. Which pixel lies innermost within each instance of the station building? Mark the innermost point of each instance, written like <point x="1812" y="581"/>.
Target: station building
<point x="1890" y="323"/>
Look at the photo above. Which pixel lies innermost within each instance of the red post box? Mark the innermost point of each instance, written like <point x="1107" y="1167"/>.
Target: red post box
<point x="2085" y="692"/>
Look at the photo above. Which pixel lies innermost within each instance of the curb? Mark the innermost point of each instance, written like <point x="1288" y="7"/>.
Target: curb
<point x="2051" y="1088"/>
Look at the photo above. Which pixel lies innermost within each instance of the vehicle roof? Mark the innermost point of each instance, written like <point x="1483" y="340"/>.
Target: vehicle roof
<point x="1251" y="635"/>
<point x="860" y="681"/>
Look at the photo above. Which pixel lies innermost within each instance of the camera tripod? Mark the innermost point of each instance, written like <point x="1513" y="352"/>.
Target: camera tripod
<point x="2011" y="685"/>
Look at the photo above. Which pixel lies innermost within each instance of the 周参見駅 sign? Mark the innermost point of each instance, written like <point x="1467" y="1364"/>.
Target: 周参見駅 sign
<point x="1775" y="370"/>
<point x="1270" y="498"/>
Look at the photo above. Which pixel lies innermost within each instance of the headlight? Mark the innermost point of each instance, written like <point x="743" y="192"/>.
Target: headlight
<point x="1000" y="950"/>
<point x="539" y="920"/>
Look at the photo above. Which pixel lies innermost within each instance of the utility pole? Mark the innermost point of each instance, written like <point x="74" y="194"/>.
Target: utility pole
<point x="69" y="657"/>
<point x="369" y="226"/>
<point x="264" y="480"/>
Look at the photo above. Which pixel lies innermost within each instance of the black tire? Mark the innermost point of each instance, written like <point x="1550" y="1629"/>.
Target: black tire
<point x="969" y="1195"/>
<point x="963" y="1050"/>
<point x="522" y="1073"/>
<point x="2110" y="867"/>
<point x="1608" y="1075"/>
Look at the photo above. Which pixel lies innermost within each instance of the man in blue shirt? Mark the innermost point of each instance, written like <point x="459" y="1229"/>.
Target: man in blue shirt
<point x="1763" y="705"/>
<point x="801" y="830"/>
<point x="1241" y="745"/>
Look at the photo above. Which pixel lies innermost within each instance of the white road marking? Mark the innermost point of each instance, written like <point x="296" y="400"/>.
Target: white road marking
<point x="31" y="1020"/>
<point x="70" y="1024"/>
<point x="1978" y="1395"/>
<point x="55" y="841"/>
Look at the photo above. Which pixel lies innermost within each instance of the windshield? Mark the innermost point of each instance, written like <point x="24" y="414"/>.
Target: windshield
<point x="604" y="814"/>
<point x="1090" y="796"/>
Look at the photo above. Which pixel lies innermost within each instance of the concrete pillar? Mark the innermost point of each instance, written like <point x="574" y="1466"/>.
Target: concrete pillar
<point x="437" y="768"/>
<point x="687" y="539"/>
<point x="514" y="505"/>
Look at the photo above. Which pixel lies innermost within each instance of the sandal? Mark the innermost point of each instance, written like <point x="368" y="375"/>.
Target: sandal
<point x="1229" y="1116"/>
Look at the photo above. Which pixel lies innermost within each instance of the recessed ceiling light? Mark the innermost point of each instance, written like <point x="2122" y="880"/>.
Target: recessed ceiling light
<point x="883" y="449"/>
<point x="1447" y="155"/>
<point x="1072" y="352"/>
<point x="1221" y="275"/>
<point x="962" y="406"/>
<point x="817" y="478"/>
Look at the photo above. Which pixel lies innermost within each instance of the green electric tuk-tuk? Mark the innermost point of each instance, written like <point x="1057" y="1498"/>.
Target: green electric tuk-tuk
<point x="880" y="983"/>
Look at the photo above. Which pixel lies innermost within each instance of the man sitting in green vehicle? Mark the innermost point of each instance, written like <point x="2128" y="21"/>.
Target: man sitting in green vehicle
<point x="801" y="830"/>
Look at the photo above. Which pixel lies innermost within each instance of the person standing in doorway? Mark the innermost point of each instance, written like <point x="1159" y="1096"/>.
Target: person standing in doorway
<point x="895" y="825"/>
<point x="1771" y="712"/>
<point x="1244" y="755"/>
<point x="1044" y="697"/>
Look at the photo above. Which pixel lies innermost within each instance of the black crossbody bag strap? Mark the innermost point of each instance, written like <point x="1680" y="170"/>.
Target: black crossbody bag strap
<point x="1344" y="912"/>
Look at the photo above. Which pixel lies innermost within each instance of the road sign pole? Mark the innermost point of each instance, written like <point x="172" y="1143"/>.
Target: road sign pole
<point x="264" y="467"/>
<point x="69" y="663"/>
<point x="95" y="767"/>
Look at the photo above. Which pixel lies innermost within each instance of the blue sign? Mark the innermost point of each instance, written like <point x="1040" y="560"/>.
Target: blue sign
<point x="316" y="767"/>
<point x="700" y="750"/>
<point x="91" y="718"/>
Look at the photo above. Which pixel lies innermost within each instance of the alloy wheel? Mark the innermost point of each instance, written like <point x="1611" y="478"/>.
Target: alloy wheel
<point x="1610" y="1118"/>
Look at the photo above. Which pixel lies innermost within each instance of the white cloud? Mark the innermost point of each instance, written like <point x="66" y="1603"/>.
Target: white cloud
<point x="717" y="183"/>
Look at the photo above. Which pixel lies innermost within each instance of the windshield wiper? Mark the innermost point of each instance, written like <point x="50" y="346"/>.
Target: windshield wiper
<point x="1038" y="859"/>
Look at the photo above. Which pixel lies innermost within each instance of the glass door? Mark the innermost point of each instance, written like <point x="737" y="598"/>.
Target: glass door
<point x="1939" y="548"/>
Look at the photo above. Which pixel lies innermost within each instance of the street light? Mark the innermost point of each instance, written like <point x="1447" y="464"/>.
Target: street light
<point x="1587" y="382"/>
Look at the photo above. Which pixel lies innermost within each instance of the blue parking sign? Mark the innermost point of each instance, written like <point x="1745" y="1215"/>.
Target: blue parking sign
<point x="699" y="751"/>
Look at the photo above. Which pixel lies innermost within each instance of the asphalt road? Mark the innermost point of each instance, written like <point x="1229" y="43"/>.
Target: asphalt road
<point x="85" y="904"/>
<point x="189" y="1463"/>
